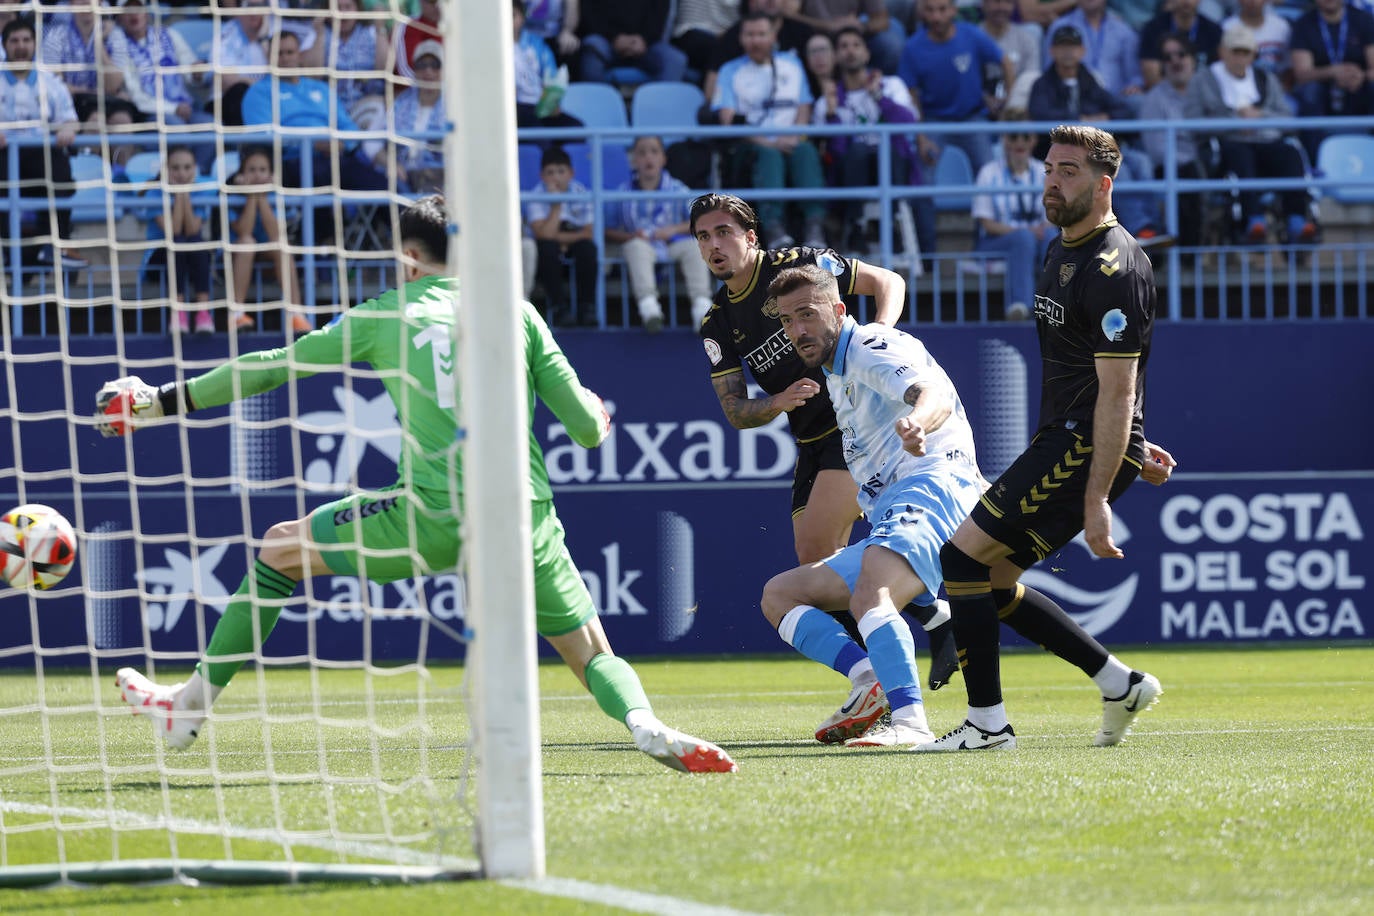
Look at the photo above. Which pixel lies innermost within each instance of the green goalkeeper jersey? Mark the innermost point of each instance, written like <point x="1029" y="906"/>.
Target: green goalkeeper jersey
<point x="405" y="335"/>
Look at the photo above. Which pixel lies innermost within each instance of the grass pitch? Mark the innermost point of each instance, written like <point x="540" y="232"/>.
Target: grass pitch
<point x="1248" y="788"/>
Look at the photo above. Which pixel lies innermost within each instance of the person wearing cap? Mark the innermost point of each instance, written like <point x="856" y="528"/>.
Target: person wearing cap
<point x="1234" y="88"/>
<point x="419" y="110"/>
<point x="1070" y="92"/>
<point x="410" y="32"/>
<point x="1111" y="48"/>
<point x="1181" y="18"/>
<point x="1273" y="32"/>
<point x="1165" y="102"/>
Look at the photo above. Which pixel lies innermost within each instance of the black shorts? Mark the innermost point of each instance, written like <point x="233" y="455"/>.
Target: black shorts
<point x="824" y="454"/>
<point x="1036" y="506"/>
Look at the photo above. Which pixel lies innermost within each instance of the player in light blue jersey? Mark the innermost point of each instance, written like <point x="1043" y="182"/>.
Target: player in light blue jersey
<point x="910" y="449"/>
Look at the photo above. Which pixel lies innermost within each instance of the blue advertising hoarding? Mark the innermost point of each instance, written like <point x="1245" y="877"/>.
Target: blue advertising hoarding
<point x="679" y="519"/>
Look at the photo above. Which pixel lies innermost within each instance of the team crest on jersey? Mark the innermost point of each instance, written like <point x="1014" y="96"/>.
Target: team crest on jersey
<point x="712" y="351"/>
<point x="770" y="307"/>
<point x="1066" y="273"/>
<point x="829" y="262"/>
<point x="962" y="62"/>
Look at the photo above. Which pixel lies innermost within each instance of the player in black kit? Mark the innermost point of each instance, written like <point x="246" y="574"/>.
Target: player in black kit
<point x="1094" y="308"/>
<point x="742" y="329"/>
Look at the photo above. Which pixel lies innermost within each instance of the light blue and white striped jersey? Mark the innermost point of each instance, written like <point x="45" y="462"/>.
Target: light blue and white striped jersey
<point x="874" y="366"/>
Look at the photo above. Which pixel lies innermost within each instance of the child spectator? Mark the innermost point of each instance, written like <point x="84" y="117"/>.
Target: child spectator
<point x="559" y="230"/>
<point x="652" y="231"/>
<point x="258" y="234"/>
<point x="191" y="265"/>
<point x="1011" y="216"/>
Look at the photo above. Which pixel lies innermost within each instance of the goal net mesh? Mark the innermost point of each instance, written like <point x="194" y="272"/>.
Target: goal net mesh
<point x="342" y="747"/>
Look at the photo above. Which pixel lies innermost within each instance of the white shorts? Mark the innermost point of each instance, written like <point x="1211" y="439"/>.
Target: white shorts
<point x="913" y="519"/>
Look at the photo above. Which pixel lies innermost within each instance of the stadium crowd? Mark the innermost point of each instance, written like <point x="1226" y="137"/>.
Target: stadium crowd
<point x="81" y="71"/>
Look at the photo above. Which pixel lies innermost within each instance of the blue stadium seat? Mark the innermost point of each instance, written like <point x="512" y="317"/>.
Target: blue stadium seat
<point x="595" y="105"/>
<point x="666" y="105"/>
<point x="91" y="203"/>
<point x="615" y="164"/>
<point x="529" y="155"/>
<point x="953" y="168"/>
<point x="143" y="167"/>
<point x="1349" y="158"/>
<point x="199" y="34"/>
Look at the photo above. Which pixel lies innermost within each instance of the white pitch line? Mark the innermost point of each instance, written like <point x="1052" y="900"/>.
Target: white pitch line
<point x="134" y="820"/>
<point x="620" y="897"/>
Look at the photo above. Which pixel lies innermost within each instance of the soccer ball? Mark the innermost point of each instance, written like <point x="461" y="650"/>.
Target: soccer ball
<point x="37" y="545"/>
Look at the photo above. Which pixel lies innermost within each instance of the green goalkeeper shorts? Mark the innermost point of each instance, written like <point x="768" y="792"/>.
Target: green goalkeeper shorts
<point x="389" y="535"/>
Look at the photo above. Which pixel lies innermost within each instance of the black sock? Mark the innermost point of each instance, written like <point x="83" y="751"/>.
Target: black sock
<point x="1038" y="618"/>
<point x="969" y="589"/>
<point x="922" y="614"/>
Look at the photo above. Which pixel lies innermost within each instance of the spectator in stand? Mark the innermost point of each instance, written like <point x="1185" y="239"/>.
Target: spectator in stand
<point x="1010" y="216"/>
<point x="562" y="230"/>
<point x="556" y="22"/>
<point x="1234" y="88"/>
<point x="1020" y="43"/>
<point x="1181" y="18"/>
<point x="157" y="68"/>
<point x="944" y="65"/>
<point x="35" y="103"/>
<point x="1135" y="13"/>
<point x="767" y="88"/>
<point x="419" y="110"/>
<point x="239" y="58"/>
<point x="1111" y="48"/>
<point x="259" y="235"/>
<point x="285" y="99"/>
<point x="1069" y="92"/>
<point x="1333" y="60"/>
<point x="820" y="64"/>
<point x="356" y="51"/>
<point x="698" y="27"/>
<point x="618" y="34"/>
<point x="791" y="36"/>
<point x="1040" y="13"/>
<point x="410" y="32"/>
<point x="1166" y="102"/>
<point x="651" y="232"/>
<point x="74" y="49"/>
<point x="1273" y="32"/>
<point x="535" y="68"/>
<point x="863" y="95"/>
<point x="883" y="33"/>
<point x="183" y="226"/>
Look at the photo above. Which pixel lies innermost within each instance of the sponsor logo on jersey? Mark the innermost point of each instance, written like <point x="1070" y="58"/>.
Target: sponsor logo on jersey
<point x="1066" y="273"/>
<point x="1048" y="309"/>
<point x="769" y="353"/>
<point x="712" y="351"/>
<point x="1114" y="324"/>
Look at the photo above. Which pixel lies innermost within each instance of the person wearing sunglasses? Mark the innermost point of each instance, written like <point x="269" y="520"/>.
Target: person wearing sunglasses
<point x="1181" y="18"/>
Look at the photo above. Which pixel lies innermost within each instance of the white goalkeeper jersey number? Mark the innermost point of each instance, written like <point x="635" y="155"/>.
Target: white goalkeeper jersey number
<point x="873" y="368"/>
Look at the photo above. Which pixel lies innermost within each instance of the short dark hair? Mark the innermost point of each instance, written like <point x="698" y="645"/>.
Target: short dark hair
<point x="849" y="30"/>
<point x="554" y="155"/>
<point x="741" y="212"/>
<point x="754" y="15"/>
<point x="174" y="148"/>
<point x="20" y="23"/>
<point x="1181" y="39"/>
<point x="425" y="225"/>
<point x="254" y="149"/>
<point x="795" y="278"/>
<point x="1104" y="155"/>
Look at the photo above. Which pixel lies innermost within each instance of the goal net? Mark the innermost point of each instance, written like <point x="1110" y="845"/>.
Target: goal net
<point x="356" y="743"/>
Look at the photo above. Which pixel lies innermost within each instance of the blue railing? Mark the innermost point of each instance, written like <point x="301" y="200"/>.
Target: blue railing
<point x="1269" y="282"/>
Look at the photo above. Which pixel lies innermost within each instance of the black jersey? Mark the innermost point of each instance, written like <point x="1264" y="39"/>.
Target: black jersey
<point x="1095" y="298"/>
<point x="742" y="330"/>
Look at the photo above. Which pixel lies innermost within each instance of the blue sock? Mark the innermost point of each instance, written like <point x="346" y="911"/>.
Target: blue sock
<point x="819" y="637"/>
<point x="892" y="650"/>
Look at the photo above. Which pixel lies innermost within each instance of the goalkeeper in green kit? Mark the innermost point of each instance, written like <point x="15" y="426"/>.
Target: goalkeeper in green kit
<point x="412" y="528"/>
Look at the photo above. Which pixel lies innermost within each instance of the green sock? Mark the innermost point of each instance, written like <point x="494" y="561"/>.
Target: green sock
<point x="233" y="634"/>
<point x="615" y="686"/>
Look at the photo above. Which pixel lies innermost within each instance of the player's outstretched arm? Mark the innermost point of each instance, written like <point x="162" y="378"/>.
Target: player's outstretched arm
<point x="129" y="403"/>
<point x="887" y="288"/>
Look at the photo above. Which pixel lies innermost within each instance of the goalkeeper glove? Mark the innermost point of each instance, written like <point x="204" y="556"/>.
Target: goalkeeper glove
<point x="129" y="403"/>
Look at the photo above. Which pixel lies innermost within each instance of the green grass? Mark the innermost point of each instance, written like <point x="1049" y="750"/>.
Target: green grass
<point x="1249" y="788"/>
